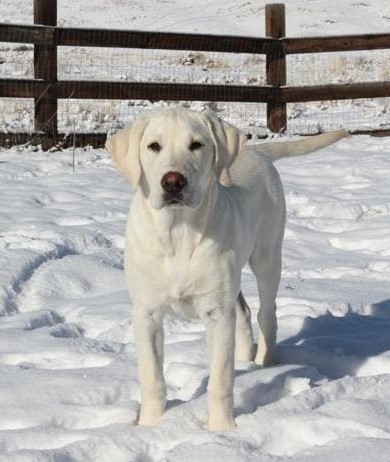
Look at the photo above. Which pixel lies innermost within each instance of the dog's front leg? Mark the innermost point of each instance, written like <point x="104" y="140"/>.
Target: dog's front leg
<point x="220" y="345"/>
<point x="149" y="338"/>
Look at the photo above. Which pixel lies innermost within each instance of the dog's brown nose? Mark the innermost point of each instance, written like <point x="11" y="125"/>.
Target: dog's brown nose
<point x="173" y="182"/>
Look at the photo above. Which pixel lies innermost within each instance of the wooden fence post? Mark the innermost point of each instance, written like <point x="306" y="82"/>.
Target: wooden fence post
<point x="275" y="27"/>
<point x="45" y="68"/>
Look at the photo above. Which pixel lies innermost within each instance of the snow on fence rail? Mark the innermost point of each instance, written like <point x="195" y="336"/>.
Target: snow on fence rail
<point x="257" y="73"/>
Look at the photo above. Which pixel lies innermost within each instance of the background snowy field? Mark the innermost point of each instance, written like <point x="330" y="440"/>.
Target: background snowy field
<point x="68" y="382"/>
<point x="232" y="17"/>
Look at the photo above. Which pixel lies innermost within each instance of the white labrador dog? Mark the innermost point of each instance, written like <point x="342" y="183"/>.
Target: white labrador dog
<point x="204" y="206"/>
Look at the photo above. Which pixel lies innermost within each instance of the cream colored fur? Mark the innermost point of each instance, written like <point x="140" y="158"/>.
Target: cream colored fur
<point x="187" y="258"/>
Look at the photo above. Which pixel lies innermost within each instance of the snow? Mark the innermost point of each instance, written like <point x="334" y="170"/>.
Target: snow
<point x="69" y="388"/>
<point x="242" y="17"/>
<point x="68" y="382"/>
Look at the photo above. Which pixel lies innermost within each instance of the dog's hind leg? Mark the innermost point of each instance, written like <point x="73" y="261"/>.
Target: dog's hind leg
<point x="266" y="264"/>
<point x="244" y="334"/>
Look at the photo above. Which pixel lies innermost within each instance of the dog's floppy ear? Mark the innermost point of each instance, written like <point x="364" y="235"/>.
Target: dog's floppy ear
<point x="228" y="142"/>
<point x="124" y="148"/>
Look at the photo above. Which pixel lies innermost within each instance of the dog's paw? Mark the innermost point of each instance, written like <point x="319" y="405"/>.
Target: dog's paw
<point x="221" y="425"/>
<point x="266" y="358"/>
<point x="266" y="354"/>
<point x="221" y="414"/>
<point x="151" y="413"/>
<point x="148" y="421"/>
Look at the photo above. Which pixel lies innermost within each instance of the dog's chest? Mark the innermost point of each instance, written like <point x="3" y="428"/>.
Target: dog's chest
<point x="181" y="283"/>
<point x="180" y="271"/>
<point x="183" y="286"/>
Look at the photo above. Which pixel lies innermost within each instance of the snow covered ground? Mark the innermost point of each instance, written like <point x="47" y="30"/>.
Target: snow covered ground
<point x="236" y="17"/>
<point x="68" y="382"/>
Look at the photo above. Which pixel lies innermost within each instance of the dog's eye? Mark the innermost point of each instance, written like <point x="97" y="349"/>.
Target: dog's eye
<point x="195" y="145"/>
<point x="156" y="147"/>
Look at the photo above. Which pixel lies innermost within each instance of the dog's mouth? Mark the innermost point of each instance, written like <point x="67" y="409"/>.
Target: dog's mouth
<point x="174" y="199"/>
<point x="179" y="200"/>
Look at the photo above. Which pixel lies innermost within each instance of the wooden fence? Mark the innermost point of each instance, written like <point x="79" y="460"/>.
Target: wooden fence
<point x="46" y="89"/>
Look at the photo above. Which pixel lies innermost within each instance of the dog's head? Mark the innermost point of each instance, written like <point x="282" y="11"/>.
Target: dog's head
<point x="175" y="155"/>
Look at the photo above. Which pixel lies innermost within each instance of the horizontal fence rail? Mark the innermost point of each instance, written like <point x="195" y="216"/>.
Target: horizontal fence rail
<point x="28" y="88"/>
<point x="62" y="36"/>
<point x="17" y="88"/>
<point x="336" y="43"/>
<point x="46" y="90"/>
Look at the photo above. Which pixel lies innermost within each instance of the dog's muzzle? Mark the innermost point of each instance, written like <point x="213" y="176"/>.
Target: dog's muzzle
<point x="173" y="184"/>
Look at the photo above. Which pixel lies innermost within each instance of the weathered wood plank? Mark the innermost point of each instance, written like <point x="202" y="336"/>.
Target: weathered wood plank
<point x="25" y="88"/>
<point x="39" y="35"/>
<point x="336" y="43"/>
<point x="96" y="140"/>
<point x="335" y="92"/>
<point x="275" y="27"/>
<point x="22" y="88"/>
<point x="45" y="68"/>
<point x="14" y="139"/>
<point x="161" y="40"/>
<point x="162" y="91"/>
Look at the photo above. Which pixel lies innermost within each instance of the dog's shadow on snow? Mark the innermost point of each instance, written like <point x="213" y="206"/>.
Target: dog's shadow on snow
<point x="327" y="346"/>
<point x="339" y="346"/>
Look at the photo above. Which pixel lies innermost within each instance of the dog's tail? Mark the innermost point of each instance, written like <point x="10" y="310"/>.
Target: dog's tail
<point x="280" y="149"/>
